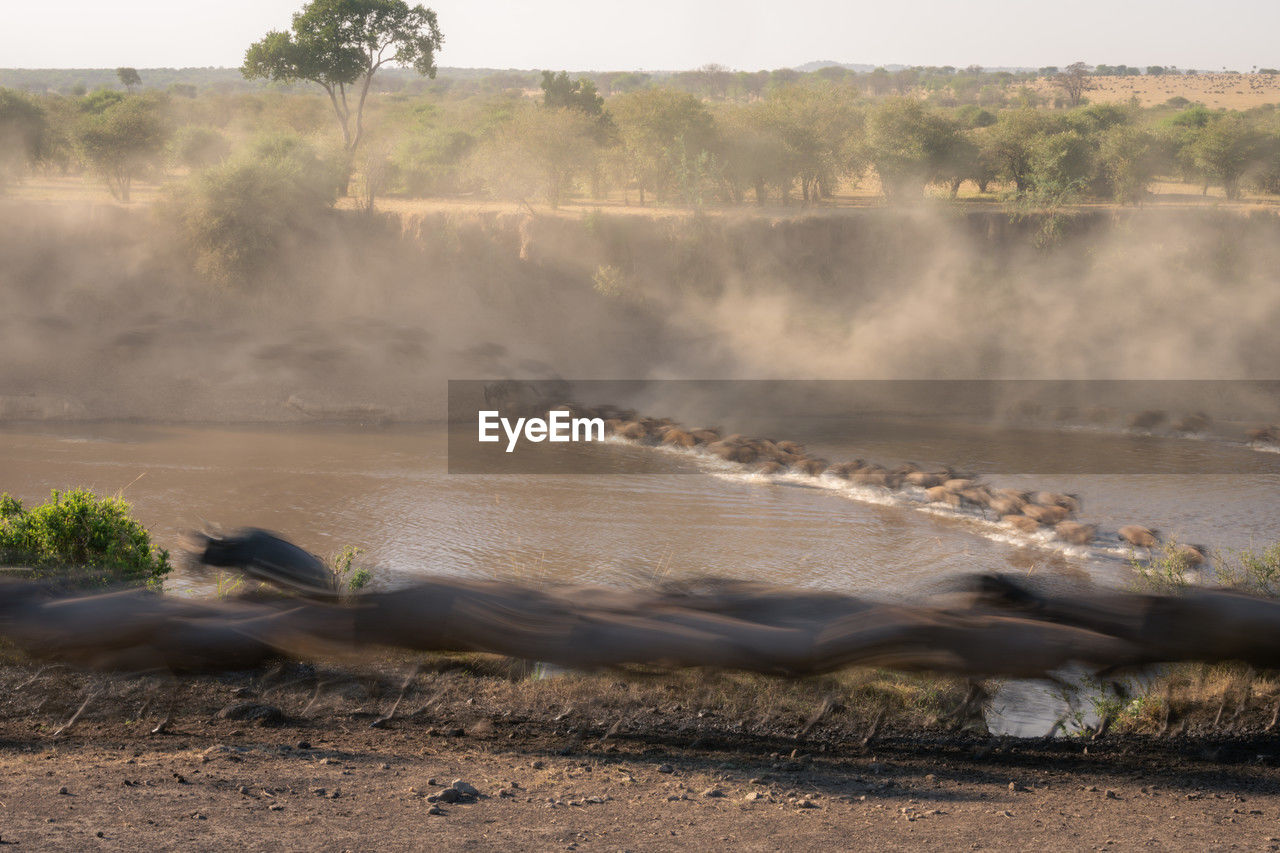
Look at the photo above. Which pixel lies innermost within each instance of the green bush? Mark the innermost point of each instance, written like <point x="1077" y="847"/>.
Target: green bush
<point x="85" y="539"/>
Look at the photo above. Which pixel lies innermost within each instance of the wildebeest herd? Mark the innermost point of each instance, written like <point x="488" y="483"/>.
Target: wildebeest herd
<point x="1000" y="627"/>
<point x="1025" y="510"/>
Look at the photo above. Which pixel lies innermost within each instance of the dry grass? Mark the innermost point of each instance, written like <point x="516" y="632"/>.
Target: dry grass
<point x="1230" y="91"/>
<point x="85" y="190"/>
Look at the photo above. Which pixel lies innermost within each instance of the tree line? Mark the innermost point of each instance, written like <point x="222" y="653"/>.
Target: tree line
<point x="796" y="144"/>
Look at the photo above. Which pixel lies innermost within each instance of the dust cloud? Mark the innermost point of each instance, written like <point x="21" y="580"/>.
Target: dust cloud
<point x="366" y="318"/>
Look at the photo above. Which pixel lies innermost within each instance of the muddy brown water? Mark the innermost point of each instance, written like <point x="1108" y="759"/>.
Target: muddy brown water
<point x="387" y="491"/>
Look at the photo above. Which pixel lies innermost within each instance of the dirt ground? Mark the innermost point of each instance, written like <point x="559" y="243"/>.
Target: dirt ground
<point x="590" y="764"/>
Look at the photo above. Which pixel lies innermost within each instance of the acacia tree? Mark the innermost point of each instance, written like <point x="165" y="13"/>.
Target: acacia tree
<point x="663" y="133"/>
<point x="560" y="91"/>
<point x="539" y="150"/>
<point x="910" y="146"/>
<point x="120" y="138"/>
<point x="819" y="127"/>
<point x="129" y="77"/>
<point x="1224" y="149"/>
<point x="1074" y="80"/>
<point x="341" y="44"/>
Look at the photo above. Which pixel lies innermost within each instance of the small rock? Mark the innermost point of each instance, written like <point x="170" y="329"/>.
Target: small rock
<point x="198" y="816"/>
<point x="244" y="789"/>
<point x="336" y="793"/>
<point x="263" y="715"/>
<point x="219" y="750"/>
<point x="753" y="796"/>
<point x="275" y="807"/>
<point x="806" y="804"/>
<point x="100" y="834"/>
<point x="505" y="792"/>
<point x="464" y="788"/>
<point x="63" y="791"/>
<point x="1112" y="795"/>
<point x="666" y="768"/>
<point x="537" y="765"/>
<point x="384" y="766"/>
<point x="304" y="744"/>
<point x="330" y="761"/>
<point x="929" y="777"/>
<point x="448" y="795"/>
<point x="320" y="792"/>
<point x="435" y="810"/>
<point x="713" y="792"/>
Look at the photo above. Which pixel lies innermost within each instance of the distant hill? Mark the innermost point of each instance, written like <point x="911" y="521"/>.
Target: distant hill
<point x="863" y="68"/>
<point x="819" y="64"/>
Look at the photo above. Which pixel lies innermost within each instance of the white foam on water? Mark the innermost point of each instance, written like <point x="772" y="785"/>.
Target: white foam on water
<point x="909" y="497"/>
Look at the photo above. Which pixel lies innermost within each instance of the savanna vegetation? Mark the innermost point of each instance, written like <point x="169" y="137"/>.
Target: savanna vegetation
<point x="366" y="100"/>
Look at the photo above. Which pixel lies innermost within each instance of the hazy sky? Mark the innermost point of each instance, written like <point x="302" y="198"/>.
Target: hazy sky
<point x="666" y="34"/>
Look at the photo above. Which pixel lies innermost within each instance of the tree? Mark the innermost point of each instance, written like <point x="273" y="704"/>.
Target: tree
<point x="558" y="91"/>
<point x="1009" y="145"/>
<point x="910" y="145"/>
<point x="1224" y="149"/>
<point x="661" y="129"/>
<point x="341" y="44"/>
<point x="818" y="126"/>
<point x="538" y="151"/>
<point x="1061" y="166"/>
<point x="120" y="139"/>
<point x="23" y="132"/>
<point x="755" y="157"/>
<point x="1130" y="161"/>
<point x="129" y="77"/>
<point x="1074" y="80"/>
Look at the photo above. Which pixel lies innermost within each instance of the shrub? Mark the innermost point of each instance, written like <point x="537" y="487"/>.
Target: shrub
<point x="198" y="147"/>
<point x="347" y="576"/>
<point x="238" y="216"/>
<point x="1252" y="572"/>
<point x="85" y="539"/>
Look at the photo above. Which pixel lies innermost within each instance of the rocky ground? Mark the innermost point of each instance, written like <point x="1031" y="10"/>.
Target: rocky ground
<point x="302" y="758"/>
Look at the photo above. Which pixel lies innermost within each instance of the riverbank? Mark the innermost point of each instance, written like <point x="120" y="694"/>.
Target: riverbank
<point x="604" y="762"/>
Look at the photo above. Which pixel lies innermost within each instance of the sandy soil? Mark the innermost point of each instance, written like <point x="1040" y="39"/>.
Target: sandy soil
<point x="556" y="769"/>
